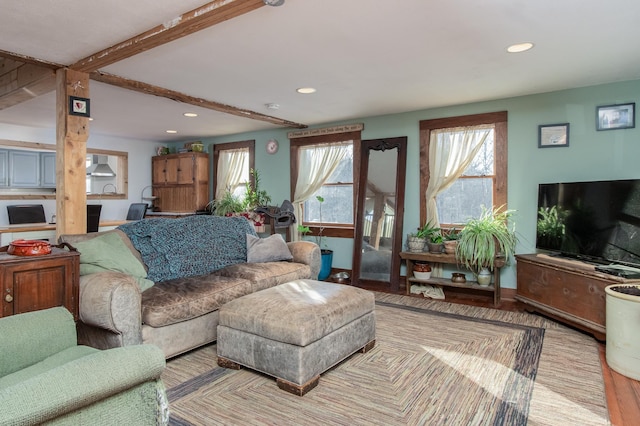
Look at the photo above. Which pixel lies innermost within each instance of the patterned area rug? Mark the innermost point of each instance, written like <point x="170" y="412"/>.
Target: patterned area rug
<point x="434" y="363"/>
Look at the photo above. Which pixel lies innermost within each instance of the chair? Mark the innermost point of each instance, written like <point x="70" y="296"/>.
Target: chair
<point x="137" y="211"/>
<point x="27" y="213"/>
<point x="46" y="377"/>
<point x="93" y="217"/>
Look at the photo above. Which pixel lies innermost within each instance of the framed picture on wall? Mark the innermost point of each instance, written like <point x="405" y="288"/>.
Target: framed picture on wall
<point x="553" y="135"/>
<point x="613" y="117"/>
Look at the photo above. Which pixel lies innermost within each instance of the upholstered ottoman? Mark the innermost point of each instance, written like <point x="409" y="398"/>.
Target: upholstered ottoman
<point x="296" y="331"/>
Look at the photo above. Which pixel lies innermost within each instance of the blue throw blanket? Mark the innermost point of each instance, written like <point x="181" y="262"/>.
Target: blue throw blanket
<point x="193" y="245"/>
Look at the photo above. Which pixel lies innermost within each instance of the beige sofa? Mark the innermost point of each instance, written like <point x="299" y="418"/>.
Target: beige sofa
<point x="125" y="300"/>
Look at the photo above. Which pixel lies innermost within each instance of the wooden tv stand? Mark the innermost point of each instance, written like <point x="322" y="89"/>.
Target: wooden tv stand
<point x="566" y="290"/>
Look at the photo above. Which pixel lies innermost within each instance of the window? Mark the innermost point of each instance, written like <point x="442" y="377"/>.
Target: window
<point x="323" y="166"/>
<point x="336" y="191"/>
<point x="463" y="163"/>
<point x="232" y="164"/>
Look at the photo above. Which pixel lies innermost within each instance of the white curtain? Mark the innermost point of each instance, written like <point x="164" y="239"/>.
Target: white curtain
<point x="316" y="163"/>
<point x="232" y="170"/>
<point x="450" y="153"/>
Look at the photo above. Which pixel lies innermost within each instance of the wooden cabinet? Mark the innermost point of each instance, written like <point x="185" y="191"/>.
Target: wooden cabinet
<point x="31" y="283"/>
<point x="449" y="259"/>
<point x="181" y="181"/>
<point x="569" y="291"/>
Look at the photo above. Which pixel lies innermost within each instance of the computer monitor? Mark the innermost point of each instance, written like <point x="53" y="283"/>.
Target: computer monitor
<point x="26" y="213"/>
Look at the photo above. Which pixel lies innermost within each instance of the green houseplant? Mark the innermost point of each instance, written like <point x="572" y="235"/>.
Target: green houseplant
<point x="326" y="254"/>
<point x="230" y="204"/>
<point x="418" y="239"/>
<point x="486" y="240"/>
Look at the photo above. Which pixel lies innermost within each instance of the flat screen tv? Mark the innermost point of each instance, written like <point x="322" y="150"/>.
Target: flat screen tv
<point x="596" y="222"/>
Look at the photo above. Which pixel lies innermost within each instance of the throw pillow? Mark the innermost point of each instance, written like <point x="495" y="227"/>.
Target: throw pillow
<point x="270" y="249"/>
<point x="109" y="253"/>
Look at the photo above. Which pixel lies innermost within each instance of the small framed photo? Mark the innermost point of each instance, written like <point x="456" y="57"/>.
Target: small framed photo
<point x="612" y="117"/>
<point x="553" y="135"/>
<point x="79" y="106"/>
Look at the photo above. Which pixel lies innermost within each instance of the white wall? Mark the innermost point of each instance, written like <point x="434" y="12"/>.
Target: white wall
<point x="140" y="153"/>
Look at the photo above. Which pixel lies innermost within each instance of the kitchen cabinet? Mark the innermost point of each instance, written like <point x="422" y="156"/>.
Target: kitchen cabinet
<point x="48" y="169"/>
<point x="24" y="169"/>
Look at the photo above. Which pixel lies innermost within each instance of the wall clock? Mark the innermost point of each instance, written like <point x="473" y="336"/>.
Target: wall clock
<point x="272" y="146"/>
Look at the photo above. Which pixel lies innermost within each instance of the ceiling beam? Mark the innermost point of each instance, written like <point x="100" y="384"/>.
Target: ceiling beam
<point x="150" y="89"/>
<point x="188" y="23"/>
<point x="23" y="78"/>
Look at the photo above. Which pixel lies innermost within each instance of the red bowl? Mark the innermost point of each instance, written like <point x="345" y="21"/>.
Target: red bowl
<point x="29" y="248"/>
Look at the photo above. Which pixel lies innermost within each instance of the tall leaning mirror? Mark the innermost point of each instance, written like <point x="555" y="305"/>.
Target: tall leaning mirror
<point x="379" y="213"/>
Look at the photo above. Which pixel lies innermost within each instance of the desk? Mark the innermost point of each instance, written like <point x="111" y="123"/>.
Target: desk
<point x="43" y="231"/>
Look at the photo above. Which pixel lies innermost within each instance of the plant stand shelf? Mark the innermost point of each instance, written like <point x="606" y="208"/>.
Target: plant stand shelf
<point x="448" y="259"/>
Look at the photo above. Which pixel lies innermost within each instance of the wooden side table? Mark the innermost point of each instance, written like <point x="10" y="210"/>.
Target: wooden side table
<point x="31" y="283"/>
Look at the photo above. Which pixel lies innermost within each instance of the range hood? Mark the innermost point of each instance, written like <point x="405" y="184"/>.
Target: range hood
<point x="100" y="167"/>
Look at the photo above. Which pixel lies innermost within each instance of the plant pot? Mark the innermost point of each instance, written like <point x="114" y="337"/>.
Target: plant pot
<point x="422" y="275"/>
<point x="415" y="244"/>
<point x="450" y="246"/>
<point x="435" y="247"/>
<point x="325" y="266"/>
<point x="623" y="340"/>
<point x="484" y="277"/>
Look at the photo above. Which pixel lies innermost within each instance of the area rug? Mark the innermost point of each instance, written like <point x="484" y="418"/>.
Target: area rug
<point x="434" y="363"/>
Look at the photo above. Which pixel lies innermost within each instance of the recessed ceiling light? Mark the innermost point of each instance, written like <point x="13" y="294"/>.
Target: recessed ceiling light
<point x="306" y="90"/>
<point x="190" y="114"/>
<point x="172" y="131"/>
<point x="520" y="47"/>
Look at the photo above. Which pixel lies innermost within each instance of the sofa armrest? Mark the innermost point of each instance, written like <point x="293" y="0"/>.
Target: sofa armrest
<point x="112" y="301"/>
<point x="80" y="383"/>
<point x="30" y="337"/>
<point x="307" y="253"/>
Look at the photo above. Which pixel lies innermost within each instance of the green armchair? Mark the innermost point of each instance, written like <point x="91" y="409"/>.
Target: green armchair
<point x="45" y="377"/>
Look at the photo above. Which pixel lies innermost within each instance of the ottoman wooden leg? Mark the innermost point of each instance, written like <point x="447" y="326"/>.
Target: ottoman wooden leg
<point x="366" y="348"/>
<point x="227" y="363"/>
<point x="295" y="389"/>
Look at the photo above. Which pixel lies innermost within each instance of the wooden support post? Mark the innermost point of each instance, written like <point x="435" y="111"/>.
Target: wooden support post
<point x="71" y="152"/>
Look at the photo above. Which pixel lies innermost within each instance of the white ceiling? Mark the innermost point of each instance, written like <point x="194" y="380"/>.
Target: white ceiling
<point x="365" y="57"/>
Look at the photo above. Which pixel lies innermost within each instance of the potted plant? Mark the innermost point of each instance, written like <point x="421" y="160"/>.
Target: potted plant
<point x="436" y="242"/>
<point x="417" y="240"/>
<point x="450" y="242"/>
<point x="485" y="241"/>
<point x="231" y="205"/>
<point x="326" y="254"/>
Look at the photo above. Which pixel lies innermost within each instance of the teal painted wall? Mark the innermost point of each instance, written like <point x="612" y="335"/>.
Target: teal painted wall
<point x="591" y="155"/>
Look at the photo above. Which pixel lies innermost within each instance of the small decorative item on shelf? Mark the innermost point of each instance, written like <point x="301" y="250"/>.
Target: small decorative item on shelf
<point x="484" y="277"/>
<point x="421" y="270"/>
<point x="458" y="277"/>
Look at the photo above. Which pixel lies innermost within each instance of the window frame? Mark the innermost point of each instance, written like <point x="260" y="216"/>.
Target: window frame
<point x="330" y="229"/>
<point x="498" y="120"/>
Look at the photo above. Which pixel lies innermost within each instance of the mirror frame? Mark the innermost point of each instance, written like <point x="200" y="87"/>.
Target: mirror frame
<point x="122" y="178"/>
<point x="380" y="145"/>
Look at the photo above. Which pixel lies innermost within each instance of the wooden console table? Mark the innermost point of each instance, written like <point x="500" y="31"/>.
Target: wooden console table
<point x="566" y="290"/>
<point x="31" y="283"/>
<point x="449" y="259"/>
